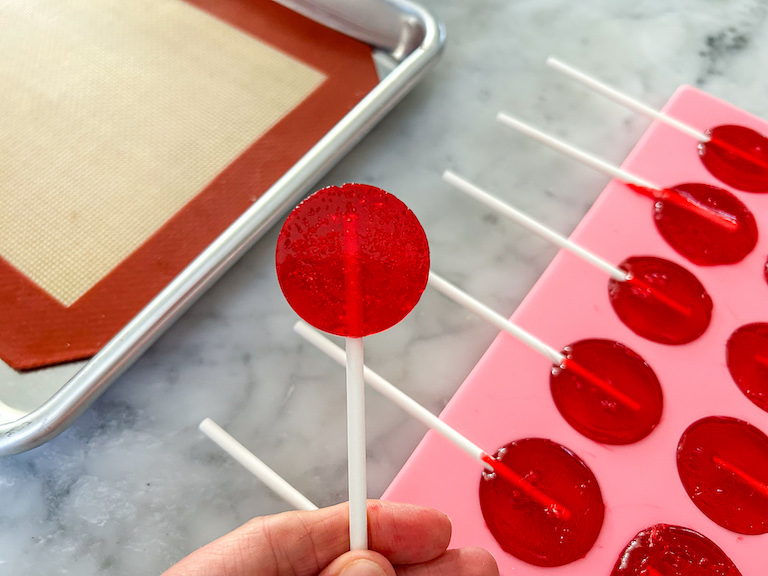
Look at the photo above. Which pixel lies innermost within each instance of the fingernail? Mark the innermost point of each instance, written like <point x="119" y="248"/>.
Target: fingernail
<point x="363" y="567"/>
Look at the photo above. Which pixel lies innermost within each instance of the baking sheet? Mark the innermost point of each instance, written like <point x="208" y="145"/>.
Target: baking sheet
<point x="37" y="405"/>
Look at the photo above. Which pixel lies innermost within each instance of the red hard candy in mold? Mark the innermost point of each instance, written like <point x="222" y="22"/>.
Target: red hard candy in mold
<point x="525" y="528"/>
<point x="597" y="414"/>
<point x="664" y="550"/>
<point x="747" y="357"/>
<point x="352" y="260"/>
<point x="738" y="156"/>
<point x="702" y="241"/>
<point x="723" y="464"/>
<point x="642" y="306"/>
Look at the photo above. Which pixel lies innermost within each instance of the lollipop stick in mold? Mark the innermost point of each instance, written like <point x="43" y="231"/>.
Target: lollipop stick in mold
<point x="625" y="100"/>
<point x="557" y="239"/>
<point x="636" y="105"/>
<point x="636" y="183"/>
<point x="255" y="466"/>
<point x="557" y="358"/>
<point x="416" y="410"/>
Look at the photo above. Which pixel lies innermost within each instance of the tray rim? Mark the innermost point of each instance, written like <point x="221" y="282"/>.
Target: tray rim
<point x="93" y="379"/>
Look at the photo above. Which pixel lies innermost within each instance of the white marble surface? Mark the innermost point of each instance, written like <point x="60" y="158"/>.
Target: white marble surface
<point x="133" y="486"/>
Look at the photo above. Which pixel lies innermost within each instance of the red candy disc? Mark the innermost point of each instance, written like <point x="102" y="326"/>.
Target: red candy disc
<point x="747" y="357"/>
<point x="601" y="416"/>
<point x="723" y="464"/>
<point x="702" y="241"/>
<point x="644" y="308"/>
<point x="527" y="529"/>
<point x="738" y="156"/>
<point x="664" y="550"/>
<point x="352" y="260"/>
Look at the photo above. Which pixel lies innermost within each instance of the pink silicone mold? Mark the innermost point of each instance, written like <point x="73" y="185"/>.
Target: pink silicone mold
<point x="507" y="395"/>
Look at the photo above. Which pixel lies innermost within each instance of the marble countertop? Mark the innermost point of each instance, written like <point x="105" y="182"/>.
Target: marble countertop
<point x="133" y="486"/>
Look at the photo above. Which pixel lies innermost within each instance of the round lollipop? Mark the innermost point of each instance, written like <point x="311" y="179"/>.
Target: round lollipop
<point x="723" y="465"/>
<point x="353" y="260"/>
<point x="525" y="528"/>
<point x="642" y="311"/>
<point x="625" y="410"/>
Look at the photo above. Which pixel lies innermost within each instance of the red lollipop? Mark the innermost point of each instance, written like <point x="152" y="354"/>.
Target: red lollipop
<point x="700" y="240"/>
<point x="525" y="528"/>
<point x="723" y="465"/>
<point x="353" y="260"/>
<point x="642" y="311"/>
<point x="623" y="411"/>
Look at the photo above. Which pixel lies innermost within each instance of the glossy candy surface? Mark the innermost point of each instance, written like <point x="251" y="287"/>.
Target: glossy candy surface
<point x="737" y="156"/>
<point x="525" y="528"/>
<point x="597" y="414"/>
<point x="352" y="260"/>
<point x="702" y="241"/>
<point x="647" y="314"/>
<point x="723" y="465"/>
<point x="664" y="550"/>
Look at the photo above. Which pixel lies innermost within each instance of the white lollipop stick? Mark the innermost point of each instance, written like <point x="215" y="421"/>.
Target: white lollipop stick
<point x="255" y="466"/>
<point x="529" y="223"/>
<point x="358" y="507"/>
<point x="624" y="99"/>
<point x="576" y="153"/>
<point x="396" y="396"/>
<point x="431" y="421"/>
<point x="486" y="313"/>
<point x="646" y="187"/>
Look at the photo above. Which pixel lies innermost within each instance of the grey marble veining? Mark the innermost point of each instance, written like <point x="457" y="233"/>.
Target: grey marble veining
<point x="133" y="486"/>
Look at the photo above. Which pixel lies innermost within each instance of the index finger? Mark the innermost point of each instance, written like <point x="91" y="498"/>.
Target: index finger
<point x="303" y="543"/>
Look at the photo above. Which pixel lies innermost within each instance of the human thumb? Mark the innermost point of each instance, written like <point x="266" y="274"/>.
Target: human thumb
<point x="359" y="563"/>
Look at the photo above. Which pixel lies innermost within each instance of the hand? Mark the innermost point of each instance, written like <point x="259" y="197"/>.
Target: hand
<point x="404" y="540"/>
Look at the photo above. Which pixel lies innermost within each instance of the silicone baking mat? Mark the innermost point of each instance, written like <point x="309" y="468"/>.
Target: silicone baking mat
<point x="507" y="396"/>
<point x="135" y="133"/>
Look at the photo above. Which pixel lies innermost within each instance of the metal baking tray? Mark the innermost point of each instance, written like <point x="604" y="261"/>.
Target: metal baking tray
<point x="36" y="406"/>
